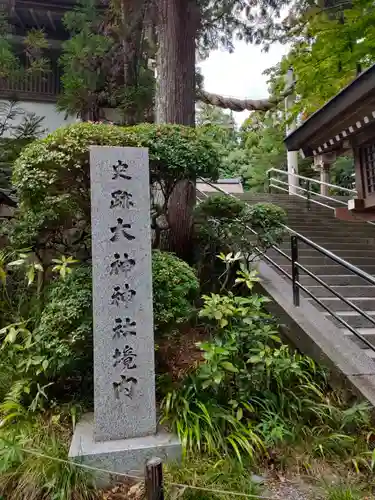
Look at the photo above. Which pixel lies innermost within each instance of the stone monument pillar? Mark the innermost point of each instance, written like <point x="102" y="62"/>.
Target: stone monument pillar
<point x="122" y="434"/>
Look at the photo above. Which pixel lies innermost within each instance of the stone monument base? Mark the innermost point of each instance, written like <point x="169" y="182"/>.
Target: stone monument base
<point x="122" y="456"/>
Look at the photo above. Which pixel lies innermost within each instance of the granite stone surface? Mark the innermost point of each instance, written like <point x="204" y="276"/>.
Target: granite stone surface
<point x="122" y="456"/>
<point x="124" y="375"/>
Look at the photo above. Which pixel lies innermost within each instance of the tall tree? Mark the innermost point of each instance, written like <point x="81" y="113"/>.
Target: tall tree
<point x="177" y="26"/>
<point x="211" y="115"/>
<point x="327" y="50"/>
<point x="105" y="61"/>
<point x="220" y="127"/>
<point x="183" y="25"/>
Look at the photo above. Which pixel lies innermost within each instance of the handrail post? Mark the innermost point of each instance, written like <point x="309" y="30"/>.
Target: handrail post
<point x="269" y="181"/>
<point x="308" y="187"/>
<point x="295" y="270"/>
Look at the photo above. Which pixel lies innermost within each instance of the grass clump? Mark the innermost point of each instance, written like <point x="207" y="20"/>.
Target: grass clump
<point x="28" y="473"/>
<point x="343" y="492"/>
<point x="210" y="474"/>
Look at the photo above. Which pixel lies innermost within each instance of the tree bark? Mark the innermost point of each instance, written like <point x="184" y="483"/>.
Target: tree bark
<point x="175" y="94"/>
<point x="175" y="103"/>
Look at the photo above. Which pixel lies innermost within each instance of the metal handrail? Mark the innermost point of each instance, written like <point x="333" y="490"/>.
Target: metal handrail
<point x="296" y="266"/>
<point x="320" y="249"/>
<point x="300" y="188"/>
<point x="321" y="183"/>
<point x="308" y="198"/>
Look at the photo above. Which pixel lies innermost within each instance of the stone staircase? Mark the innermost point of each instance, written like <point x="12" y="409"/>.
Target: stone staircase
<point x="353" y="242"/>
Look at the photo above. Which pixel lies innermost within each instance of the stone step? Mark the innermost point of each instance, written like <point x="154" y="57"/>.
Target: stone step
<point x="345" y="290"/>
<point x="321" y="229"/>
<point x="299" y="216"/>
<point x="368" y="334"/>
<point x="333" y="240"/>
<point x="330" y="269"/>
<point x="353" y="319"/>
<point x="319" y="259"/>
<point x="335" y="235"/>
<point x="305" y="222"/>
<point x="329" y="244"/>
<point x="307" y="227"/>
<point x="336" y="304"/>
<point x="333" y="280"/>
<point x="343" y="254"/>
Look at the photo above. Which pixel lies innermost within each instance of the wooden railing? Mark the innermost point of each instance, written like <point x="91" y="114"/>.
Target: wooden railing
<point x="35" y="87"/>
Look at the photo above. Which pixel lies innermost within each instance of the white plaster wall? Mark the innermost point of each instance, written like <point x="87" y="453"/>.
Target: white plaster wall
<point x="52" y="118"/>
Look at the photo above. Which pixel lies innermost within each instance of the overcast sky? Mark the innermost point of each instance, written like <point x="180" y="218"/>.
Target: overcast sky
<point x="240" y="74"/>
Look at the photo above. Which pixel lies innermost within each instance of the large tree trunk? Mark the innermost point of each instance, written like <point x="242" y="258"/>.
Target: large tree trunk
<point x="175" y="102"/>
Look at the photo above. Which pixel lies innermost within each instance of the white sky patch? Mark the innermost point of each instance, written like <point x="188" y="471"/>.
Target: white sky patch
<point x="240" y="74"/>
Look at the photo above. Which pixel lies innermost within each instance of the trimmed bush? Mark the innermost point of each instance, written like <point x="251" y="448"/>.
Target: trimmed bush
<point x="225" y="224"/>
<point x="65" y="326"/>
<point x="175" y="287"/>
<point x="52" y="177"/>
<point x="220" y="206"/>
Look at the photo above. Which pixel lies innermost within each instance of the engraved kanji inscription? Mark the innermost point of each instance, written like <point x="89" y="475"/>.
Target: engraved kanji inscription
<point x="126" y="358"/>
<point x="121" y="229"/>
<point x="124" y="386"/>
<point x="120" y="265"/>
<point x="124" y="295"/>
<point x="121" y="199"/>
<point x="124" y="328"/>
<point x="119" y="170"/>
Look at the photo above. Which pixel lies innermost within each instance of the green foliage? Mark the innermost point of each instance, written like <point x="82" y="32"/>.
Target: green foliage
<point x="203" y="472"/>
<point x="52" y="178"/>
<point x="206" y="426"/>
<point x="8" y="61"/>
<point x="221" y="207"/>
<point x="65" y="325"/>
<point x="219" y="127"/>
<point x="262" y="141"/>
<point x="12" y="64"/>
<point x="213" y="116"/>
<point x="329" y="42"/>
<point x="230" y="224"/>
<point x="82" y="58"/>
<point x="54" y="343"/>
<point x="252" y="393"/>
<point x="175" y="287"/>
<point x="260" y="148"/>
<point x="13" y="138"/>
<point x="225" y="224"/>
<point x="47" y="350"/>
<point x="342" y="172"/>
<point x="342" y="492"/>
<point x="219" y="407"/>
<point x="266" y="219"/>
<point x="225" y="21"/>
<point x="102" y="68"/>
<point x="34" y="475"/>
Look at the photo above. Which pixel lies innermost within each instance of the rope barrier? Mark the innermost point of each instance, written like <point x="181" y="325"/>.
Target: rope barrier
<point x="141" y="478"/>
<point x="83" y="466"/>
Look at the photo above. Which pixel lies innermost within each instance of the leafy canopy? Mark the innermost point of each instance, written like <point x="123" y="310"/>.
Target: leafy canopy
<point x="52" y="177"/>
<point x="327" y="49"/>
